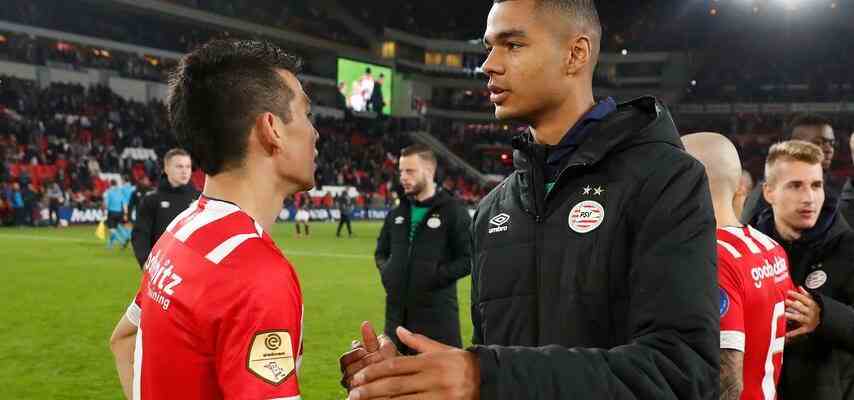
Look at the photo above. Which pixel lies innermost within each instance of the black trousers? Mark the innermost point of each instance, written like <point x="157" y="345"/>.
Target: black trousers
<point x="345" y="219"/>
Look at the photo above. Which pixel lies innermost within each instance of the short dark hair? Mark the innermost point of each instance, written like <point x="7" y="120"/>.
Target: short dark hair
<point x="808" y="120"/>
<point x="174" y="153"/>
<point x="219" y="89"/>
<point x="582" y="10"/>
<point x="421" y="150"/>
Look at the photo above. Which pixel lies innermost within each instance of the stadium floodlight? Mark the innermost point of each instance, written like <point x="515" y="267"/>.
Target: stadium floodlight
<point x="624" y="52"/>
<point x="792" y="4"/>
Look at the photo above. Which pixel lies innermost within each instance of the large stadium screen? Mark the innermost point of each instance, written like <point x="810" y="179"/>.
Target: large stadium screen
<point x="367" y="87"/>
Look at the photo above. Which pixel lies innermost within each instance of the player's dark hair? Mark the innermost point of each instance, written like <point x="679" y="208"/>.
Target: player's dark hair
<point x="583" y="11"/>
<point x="808" y="120"/>
<point x="421" y="150"/>
<point x="219" y="89"/>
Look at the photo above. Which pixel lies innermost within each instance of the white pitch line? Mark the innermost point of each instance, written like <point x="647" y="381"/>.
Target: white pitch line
<point x="286" y="252"/>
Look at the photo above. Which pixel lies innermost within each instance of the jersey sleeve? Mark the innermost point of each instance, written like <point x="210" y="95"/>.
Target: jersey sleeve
<point x="258" y="342"/>
<point x="731" y="304"/>
<point x="134" y="310"/>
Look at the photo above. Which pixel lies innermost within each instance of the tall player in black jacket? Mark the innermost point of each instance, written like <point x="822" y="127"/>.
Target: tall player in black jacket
<point x="159" y="207"/>
<point x="593" y="271"/>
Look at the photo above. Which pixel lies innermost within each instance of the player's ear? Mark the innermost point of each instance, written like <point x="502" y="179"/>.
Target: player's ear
<point x="579" y="54"/>
<point x="268" y="132"/>
<point x="768" y="192"/>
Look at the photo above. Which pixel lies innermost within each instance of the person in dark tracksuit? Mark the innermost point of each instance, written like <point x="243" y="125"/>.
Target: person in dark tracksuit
<point x="594" y="263"/>
<point x="345" y="206"/>
<point x="159" y="207"/>
<point x="818" y="361"/>
<point x="422" y="250"/>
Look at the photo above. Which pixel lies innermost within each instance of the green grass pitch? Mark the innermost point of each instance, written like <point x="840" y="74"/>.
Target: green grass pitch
<point x="63" y="291"/>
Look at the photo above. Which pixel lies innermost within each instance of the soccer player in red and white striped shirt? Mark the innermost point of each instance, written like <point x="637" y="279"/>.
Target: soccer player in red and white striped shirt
<point x="754" y="278"/>
<point x="219" y="311"/>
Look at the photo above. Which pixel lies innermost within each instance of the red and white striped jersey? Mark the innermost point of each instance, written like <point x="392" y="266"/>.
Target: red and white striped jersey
<point x="753" y="274"/>
<point x="219" y="311"/>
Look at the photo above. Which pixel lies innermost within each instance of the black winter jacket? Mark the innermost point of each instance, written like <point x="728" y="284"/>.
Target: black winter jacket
<point x="846" y="201"/>
<point x="821" y="365"/>
<point x="606" y="287"/>
<point x="156" y="210"/>
<point x="420" y="278"/>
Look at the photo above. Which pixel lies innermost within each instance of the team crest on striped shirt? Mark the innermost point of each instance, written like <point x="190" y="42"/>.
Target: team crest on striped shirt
<point x="586" y="216"/>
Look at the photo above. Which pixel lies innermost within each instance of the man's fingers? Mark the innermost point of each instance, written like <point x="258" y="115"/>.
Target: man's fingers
<point x="351" y="357"/>
<point x="392" y="386"/>
<point x="369" y="337"/>
<point x="798" y="306"/>
<point x="392" y="367"/>
<point x="387" y="348"/>
<point x="803" y="298"/>
<point x="357" y="366"/>
<point x="803" y="319"/>
<point x="419" y="343"/>
<point x="797" y="332"/>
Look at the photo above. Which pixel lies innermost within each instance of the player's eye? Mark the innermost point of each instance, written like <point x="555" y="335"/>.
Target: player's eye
<point x="514" y="46"/>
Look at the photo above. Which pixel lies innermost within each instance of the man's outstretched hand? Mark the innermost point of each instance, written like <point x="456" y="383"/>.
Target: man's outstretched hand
<point x="438" y="372"/>
<point x="371" y="350"/>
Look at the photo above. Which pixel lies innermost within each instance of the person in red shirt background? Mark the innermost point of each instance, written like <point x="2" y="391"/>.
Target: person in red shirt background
<point x="753" y="275"/>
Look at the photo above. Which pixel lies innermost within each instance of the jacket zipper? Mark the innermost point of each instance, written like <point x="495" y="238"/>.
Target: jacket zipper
<point x="408" y="271"/>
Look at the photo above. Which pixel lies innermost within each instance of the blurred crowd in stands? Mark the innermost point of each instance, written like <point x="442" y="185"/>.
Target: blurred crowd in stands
<point x="63" y="144"/>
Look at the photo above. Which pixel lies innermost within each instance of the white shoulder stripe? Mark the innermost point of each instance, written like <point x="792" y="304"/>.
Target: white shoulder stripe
<point x="733" y="340"/>
<point x="288" y="398"/>
<point x="729" y="248"/>
<point x="225" y="248"/>
<point x="763" y="239"/>
<point x="739" y="233"/>
<point x="259" y="229"/>
<point x="203" y="218"/>
<point x="133" y="313"/>
<point x="184" y="214"/>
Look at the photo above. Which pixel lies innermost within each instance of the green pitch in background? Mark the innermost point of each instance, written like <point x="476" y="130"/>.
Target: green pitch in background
<point x="62" y="293"/>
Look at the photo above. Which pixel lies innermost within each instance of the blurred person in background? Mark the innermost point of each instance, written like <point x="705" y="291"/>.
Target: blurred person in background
<point x="846" y="198"/>
<point x="423" y="249"/>
<point x="810" y="128"/>
<point x="142" y="189"/>
<point x="17" y="200"/>
<point x="56" y="198"/>
<point x="345" y="206"/>
<point x="114" y="203"/>
<point x="303" y="215"/>
<point x="818" y="363"/>
<point x="745" y="186"/>
<point x="159" y="207"/>
<point x="753" y="328"/>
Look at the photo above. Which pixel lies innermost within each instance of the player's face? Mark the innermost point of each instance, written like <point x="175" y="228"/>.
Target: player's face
<point x="178" y="170"/>
<point x="524" y="61"/>
<point x="414" y="174"/>
<point x="821" y="136"/>
<point x="796" y="194"/>
<point x="297" y="158"/>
